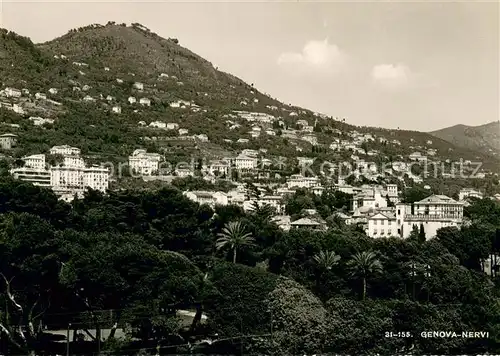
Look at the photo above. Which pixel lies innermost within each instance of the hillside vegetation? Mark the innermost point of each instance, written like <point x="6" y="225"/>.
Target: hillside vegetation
<point x="93" y="69"/>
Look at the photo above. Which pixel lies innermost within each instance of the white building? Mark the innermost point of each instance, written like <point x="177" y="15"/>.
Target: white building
<point x="218" y="168"/>
<point x="300" y="181"/>
<point x="433" y="213"/>
<point x="65" y="150"/>
<point x="249" y="152"/>
<point x="145" y="101"/>
<point x="53" y="91"/>
<point x="73" y="161"/>
<point x="305" y="161"/>
<point x="158" y="125"/>
<point x="210" y="198"/>
<point x="369" y="199"/>
<point x="117" y="109"/>
<point x="96" y="178"/>
<point x="75" y="180"/>
<point x="245" y="162"/>
<point x="12" y="92"/>
<point x="7" y="141"/>
<point x="138" y="86"/>
<point x="183" y="132"/>
<point x="201" y="137"/>
<point x="312" y="139"/>
<point x="40" y="96"/>
<point x="469" y="193"/>
<point x="180" y="104"/>
<point x="132" y="100"/>
<point x="35" y="176"/>
<point x="18" y="109"/>
<point x="144" y="163"/>
<point x="382" y="225"/>
<point x="64" y="179"/>
<point x="38" y="121"/>
<point x="417" y="156"/>
<point x="35" y="161"/>
<point x="392" y="190"/>
<point x="172" y="126"/>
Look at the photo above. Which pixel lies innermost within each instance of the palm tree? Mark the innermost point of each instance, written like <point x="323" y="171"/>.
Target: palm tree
<point x="363" y="265"/>
<point x="235" y="236"/>
<point x="325" y="260"/>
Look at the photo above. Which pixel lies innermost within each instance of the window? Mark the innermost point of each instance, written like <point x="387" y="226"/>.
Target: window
<point x="382" y="222"/>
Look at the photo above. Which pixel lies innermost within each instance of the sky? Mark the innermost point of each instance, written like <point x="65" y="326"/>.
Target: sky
<point x="414" y="65"/>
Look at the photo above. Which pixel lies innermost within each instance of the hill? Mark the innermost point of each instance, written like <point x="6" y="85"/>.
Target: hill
<point x="483" y="138"/>
<point x="110" y="89"/>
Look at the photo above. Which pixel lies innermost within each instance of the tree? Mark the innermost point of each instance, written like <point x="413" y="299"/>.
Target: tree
<point x="299" y="320"/>
<point x="325" y="260"/>
<point x="234" y="236"/>
<point x="421" y="234"/>
<point x="29" y="268"/>
<point x="363" y="265"/>
<point x="413" y="194"/>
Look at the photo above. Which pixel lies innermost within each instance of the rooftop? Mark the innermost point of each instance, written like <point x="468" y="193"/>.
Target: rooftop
<point x="438" y="199"/>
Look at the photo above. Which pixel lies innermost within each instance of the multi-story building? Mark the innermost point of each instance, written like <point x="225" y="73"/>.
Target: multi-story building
<point x="66" y="179"/>
<point x="274" y="201"/>
<point x="433" y="213"/>
<point x="96" y="178"/>
<point x="218" y="168"/>
<point x="300" y="181"/>
<point x="245" y="162"/>
<point x="35" y="161"/>
<point x="8" y="141"/>
<point x="36" y="176"/>
<point x="73" y="161"/>
<point x="65" y="150"/>
<point x="382" y="225"/>
<point x="143" y="163"/>
<point x="371" y="199"/>
<point x="469" y="193"/>
<point x="392" y="190"/>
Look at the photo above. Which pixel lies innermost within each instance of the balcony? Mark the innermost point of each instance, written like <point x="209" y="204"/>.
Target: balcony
<point x="431" y="217"/>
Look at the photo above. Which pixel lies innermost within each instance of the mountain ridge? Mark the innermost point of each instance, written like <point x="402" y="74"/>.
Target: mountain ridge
<point x="483" y="138"/>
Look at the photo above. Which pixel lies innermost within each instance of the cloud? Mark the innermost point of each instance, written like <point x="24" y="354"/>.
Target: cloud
<point x="316" y="55"/>
<point x="392" y="76"/>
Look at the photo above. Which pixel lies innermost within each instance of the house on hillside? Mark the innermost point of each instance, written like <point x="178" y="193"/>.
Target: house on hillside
<point x="382" y="225"/>
<point x="12" y="92"/>
<point x="8" y="141"/>
<point x="431" y="213"/>
<point x="308" y="223"/>
<point x="145" y="102"/>
<point x="469" y="193"/>
<point x="158" y="124"/>
<point x="40" y="96"/>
